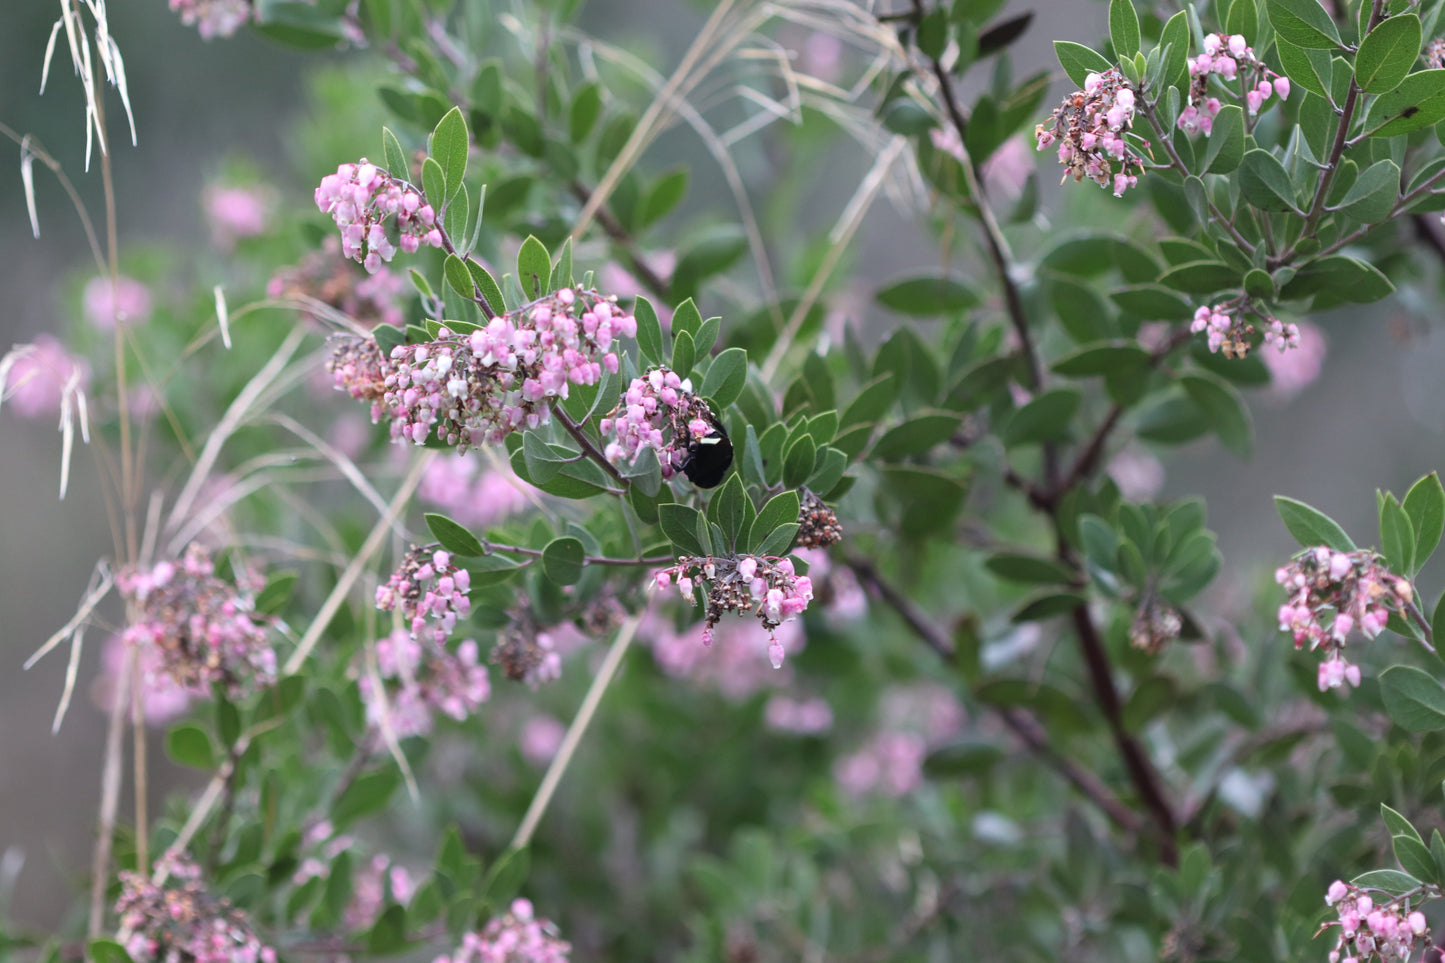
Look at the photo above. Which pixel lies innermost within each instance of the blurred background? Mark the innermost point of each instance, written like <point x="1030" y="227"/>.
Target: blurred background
<point x="1373" y="417"/>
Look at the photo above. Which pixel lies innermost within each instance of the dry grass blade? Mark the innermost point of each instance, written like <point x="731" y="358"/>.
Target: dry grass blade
<point x="840" y="237"/>
<point x="363" y="558"/>
<point x="222" y="318"/>
<point x="235" y="415"/>
<point x="27" y="179"/>
<point x="388" y="731"/>
<point x="100" y="583"/>
<point x="343" y="464"/>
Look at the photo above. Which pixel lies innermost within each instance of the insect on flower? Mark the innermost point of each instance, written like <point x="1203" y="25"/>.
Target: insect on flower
<point x="708" y="457"/>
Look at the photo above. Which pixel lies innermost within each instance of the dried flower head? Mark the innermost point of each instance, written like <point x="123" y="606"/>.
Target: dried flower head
<point x="1155" y="625"/>
<point x="204" y="630"/>
<point x="1089" y="127"/>
<point x="182" y="922"/>
<point x="817" y="523"/>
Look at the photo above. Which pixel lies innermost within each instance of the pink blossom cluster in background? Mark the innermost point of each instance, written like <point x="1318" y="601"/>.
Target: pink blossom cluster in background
<point x="235" y="212"/>
<point x="480" y="387"/>
<point x="427" y="587"/>
<point x="659" y="411"/>
<point x="730" y="664"/>
<point x="532" y="655"/>
<point x="35" y="377"/>
<point x="1224" y="57"/>
<point x="1389" y="932"/>
<point x="1330" y="595"/>
<point x="624" y="284"/>
<point x="470" y="495"/>
<point x="768" y="588"/>
<point x="181" y="920"/>
<point x="1291" y="372"/>
<point x="369" y="882"/>
<point x="808" y="716"/>
<point x="368" y="300"/>
<point x="203" y="629"/>
<point x="838" y="593"/>
<point x="518" y="937"/>
<point x="164" y="700"/>
<point x="1089" y="128"/>
<point x="362" y="198"/>
<point x="128" y="302"/>
<point x="213" y="18"/>
<point x="540" y="738"/>
<point x="422" y="677"/>
<point x="913" y="719"/>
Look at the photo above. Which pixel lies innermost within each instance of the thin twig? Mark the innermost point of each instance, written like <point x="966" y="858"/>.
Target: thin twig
<point x="1020" y="721"/>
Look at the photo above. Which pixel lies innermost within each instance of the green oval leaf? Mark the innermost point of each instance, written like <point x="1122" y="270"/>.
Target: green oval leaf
<point x="726" y="376"/>
<point x="1387" y="53"/>
<point x="1223" y="409"/>
<point x="649" y="331"/>
<point x="1079" y="61"/>
<point x="534" y="267"/>
<point x="1226" y="141"/>
<point x="1418" y="102"/>
<point x="1425" y="504"/>
<point x="1371" y="199"/>
<point x="1264" y="181"/>
<point x="927" y="296"/>
<point x="1304" y="23"/>
<point x="189" y="745"/>
<point x="1048" y="417"/>
<point x="1123" y="28"/>
<point x="449" y="146"/>
<point x="562" y="560"/>
<point x="454" y="537"/>
<point x="1310" y="526"/>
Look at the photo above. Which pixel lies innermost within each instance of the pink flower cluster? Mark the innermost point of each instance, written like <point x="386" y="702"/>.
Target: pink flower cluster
<point x="475" y="500"/>
<point x="1388" y="933"/>
<point x="765" y="587"/>
<point x="163" y="699"/>
<point x="369" y="883"/>
<point x="427" y="586"/>
<point x="1225" y="57"/>
<point x="203" y="630"/>
<point x="129" y="302"/>
<point x="482" y="386"/>
<point x="361" y="198"/>
<point x="36" y="378"/>
<point x="729" y="664"/>
<point x="183" y="921"/>
<point x="1229" y="330"/>
<point x="368" y="299"/>
<point x="801" y="716"/>
<point x="1435" y="53"/>
<point x="425" y="677"/>
<point x="1330" y="595"/>
<point x="235" y="213"/>
<point x="1291" y="372"/>
<point x="213" y="18"/>
<point x="518" y="937"/>
<point x="527" y="653"/>
<point x="658" y="411"/>
<point x="1089" y="127"/>
<point x="913" y="718"/>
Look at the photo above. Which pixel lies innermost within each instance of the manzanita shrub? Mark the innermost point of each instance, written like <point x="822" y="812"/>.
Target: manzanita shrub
<point x="542" y="556"/>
